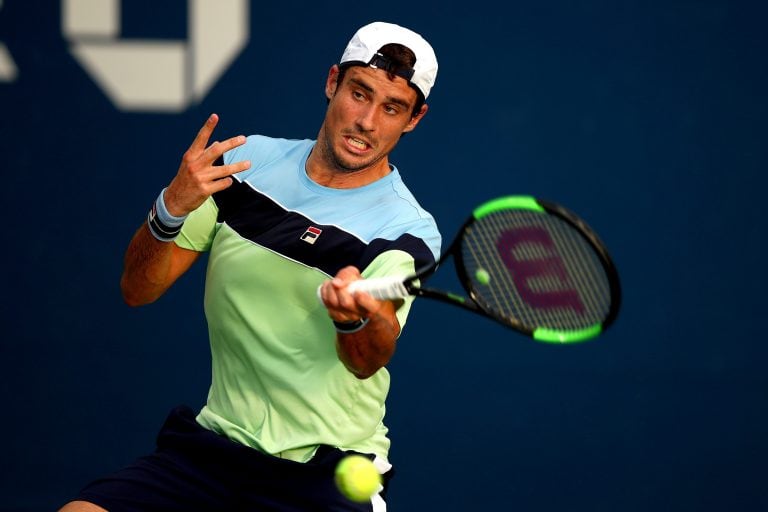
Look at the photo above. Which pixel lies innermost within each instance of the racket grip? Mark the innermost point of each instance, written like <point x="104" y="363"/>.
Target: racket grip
<point x="381" y="288"/>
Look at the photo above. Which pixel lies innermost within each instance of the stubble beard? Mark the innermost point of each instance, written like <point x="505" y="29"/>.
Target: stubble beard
<point x="343" y="165"/>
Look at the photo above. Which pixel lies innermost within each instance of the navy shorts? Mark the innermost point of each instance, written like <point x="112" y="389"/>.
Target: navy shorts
<point x="195" y="469"/>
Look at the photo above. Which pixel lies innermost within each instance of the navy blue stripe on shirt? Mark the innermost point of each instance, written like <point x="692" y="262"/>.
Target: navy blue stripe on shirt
<point x="259" y="219"/>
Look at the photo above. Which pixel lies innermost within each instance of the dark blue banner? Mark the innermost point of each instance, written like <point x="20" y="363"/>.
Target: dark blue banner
<point x="646" y="118"/>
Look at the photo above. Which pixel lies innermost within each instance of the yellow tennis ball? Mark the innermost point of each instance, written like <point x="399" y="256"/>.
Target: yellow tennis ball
<point x="482" y="276"/>
<point x="357" y="478"/>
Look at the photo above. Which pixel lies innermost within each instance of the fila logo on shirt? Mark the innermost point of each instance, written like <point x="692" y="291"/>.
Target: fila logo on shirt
<point x="311" y="235"/>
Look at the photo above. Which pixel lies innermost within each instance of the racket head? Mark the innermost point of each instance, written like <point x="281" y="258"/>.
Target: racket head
<point x="538" y="268"/>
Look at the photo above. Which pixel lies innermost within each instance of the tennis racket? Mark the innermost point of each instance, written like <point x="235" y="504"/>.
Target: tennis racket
<point x="530" y="264"/>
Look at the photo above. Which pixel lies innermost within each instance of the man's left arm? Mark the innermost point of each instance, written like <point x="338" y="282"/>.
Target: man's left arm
<point x="367" y="329"/>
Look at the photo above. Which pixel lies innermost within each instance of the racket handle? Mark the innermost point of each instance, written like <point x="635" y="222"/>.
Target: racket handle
<point x="381" y="288"/>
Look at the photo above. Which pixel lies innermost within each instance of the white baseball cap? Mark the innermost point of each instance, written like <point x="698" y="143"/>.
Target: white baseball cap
<point x="364" y="48"/>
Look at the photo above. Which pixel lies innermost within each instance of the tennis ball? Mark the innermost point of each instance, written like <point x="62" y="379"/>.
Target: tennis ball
<point x="357" y="478"/>
<point x="482" y="276"/>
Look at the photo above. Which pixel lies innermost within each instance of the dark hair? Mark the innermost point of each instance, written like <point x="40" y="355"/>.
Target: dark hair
<point x="401" y="59"/>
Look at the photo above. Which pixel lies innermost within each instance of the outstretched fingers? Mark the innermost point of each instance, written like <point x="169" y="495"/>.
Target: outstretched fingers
<point x="198" y="176"/>
<point x="217" y="149"/>
<point x="204" y="135"/>
<point x="222" y="171"/>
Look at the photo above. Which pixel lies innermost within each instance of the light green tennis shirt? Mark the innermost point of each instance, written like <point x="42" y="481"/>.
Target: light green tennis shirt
<point x="274" y="236"/>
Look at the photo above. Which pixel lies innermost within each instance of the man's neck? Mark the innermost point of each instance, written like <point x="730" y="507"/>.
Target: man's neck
<point x="319" y="171"/>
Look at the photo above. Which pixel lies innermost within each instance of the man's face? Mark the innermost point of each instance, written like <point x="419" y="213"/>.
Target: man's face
<point x="367" y="114"/>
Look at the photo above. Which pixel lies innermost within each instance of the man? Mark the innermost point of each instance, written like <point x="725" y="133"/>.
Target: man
<point x="297" y="382"/>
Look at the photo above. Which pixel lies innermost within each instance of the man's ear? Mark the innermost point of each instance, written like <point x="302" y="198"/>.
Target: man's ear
<point x="415" y="119"/>
<point x="331" y="83"/>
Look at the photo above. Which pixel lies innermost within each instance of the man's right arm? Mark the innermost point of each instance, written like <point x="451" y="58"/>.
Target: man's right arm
<point x="152" y="265"/>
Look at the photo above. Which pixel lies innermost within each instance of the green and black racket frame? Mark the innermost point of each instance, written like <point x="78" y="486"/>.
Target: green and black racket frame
<point x="531" y="264"/>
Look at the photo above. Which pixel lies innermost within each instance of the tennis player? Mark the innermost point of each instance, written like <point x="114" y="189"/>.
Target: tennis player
<point x="297" y="382"/>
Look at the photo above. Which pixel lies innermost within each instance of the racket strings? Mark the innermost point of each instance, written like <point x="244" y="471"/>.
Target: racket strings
<point x="541" y="271"/>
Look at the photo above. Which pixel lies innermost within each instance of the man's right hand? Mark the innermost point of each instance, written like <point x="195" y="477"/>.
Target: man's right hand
<point x="198" y="178"/>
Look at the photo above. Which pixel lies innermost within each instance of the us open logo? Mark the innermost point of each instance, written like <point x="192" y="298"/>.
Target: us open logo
<point x="8" y="71"/>
<point x="150" y="75"/>
<point x="311" y="235"/>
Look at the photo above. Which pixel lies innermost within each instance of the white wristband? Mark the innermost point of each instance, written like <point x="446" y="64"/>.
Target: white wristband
<point x="164" y="215"/>
<point x="163" y="226"/>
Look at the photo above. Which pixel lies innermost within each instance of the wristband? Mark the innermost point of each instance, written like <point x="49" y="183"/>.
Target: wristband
<point x="163" y="226"/>
<point x="350" y="327"/>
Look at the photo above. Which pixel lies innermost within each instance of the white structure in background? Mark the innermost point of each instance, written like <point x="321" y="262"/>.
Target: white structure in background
<point x="8" y="70"/>
<point x="156" y="75"/>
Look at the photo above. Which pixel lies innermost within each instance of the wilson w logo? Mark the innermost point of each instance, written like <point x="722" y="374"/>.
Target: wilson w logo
<point x="545" y="267"/>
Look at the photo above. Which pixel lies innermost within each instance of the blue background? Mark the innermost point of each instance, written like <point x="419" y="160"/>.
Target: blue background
<point x="647" y="118"/>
